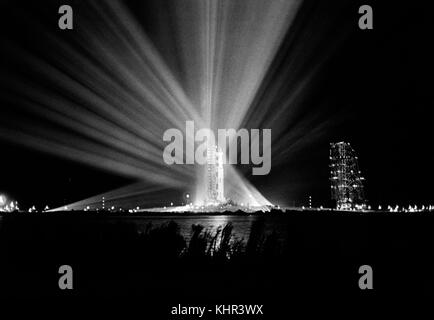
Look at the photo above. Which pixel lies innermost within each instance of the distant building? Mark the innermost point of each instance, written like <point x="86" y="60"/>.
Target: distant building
<point x="215" y="176"/>
<point x="345" y="177"/>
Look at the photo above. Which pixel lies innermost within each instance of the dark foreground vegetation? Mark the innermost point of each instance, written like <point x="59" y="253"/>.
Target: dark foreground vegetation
<point x="115" y="258"/>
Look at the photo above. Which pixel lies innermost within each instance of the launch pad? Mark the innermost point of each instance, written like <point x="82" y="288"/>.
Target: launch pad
<point x="215" y="200"/>
<point x="224" y="208"/>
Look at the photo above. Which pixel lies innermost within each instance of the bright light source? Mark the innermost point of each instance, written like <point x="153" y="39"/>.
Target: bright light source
<point x="2" y="200"/>
<point x="226" y="64"/>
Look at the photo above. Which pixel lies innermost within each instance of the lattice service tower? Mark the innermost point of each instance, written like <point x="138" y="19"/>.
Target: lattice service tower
<point x="345" y="177"/>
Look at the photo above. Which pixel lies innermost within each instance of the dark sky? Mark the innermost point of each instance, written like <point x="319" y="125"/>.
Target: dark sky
<point x="378" y="83"/>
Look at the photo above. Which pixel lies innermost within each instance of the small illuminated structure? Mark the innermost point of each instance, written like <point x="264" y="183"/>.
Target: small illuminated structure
<point x="345" y="177"/>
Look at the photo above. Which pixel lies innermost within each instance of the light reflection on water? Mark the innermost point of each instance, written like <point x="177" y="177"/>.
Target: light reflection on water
<point x="241" y="224"/>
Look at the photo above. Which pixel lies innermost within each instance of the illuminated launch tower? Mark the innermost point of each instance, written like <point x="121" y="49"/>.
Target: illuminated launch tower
<point x="214" y="176"/>
<point x="345" y="177"/>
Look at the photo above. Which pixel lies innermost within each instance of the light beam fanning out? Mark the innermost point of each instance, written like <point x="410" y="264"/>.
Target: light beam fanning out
<point x="106" y="95"/>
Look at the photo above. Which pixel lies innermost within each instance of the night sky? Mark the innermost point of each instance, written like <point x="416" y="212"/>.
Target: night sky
<point x="373" y="88"/>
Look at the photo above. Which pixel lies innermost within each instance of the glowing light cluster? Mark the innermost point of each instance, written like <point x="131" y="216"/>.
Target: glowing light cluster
<point x="8" y="206"/>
